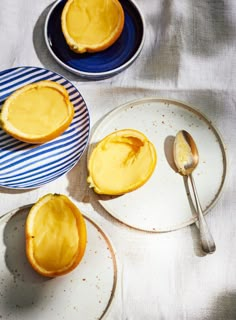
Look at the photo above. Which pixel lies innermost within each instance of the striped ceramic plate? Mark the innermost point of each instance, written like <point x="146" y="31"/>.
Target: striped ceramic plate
<point x="24" y="166"/>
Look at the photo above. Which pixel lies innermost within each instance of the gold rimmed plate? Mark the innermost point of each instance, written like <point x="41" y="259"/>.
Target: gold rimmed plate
<point x="165" y="203"/>
<point x="85" y="293"/>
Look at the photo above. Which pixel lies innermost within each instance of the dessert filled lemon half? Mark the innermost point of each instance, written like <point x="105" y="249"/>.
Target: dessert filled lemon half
<point x="55" y="235"/>
<point x="38" y="112"/>
<point x="92" y="25"/>
<point x="121" y="162"/>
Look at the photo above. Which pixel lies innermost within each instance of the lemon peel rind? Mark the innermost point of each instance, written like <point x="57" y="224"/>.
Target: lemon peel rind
<point x="123" y="133"/>
<point x="36" y="139"/>
<point x="83" y="47"/>
<point x="29" y="235"/>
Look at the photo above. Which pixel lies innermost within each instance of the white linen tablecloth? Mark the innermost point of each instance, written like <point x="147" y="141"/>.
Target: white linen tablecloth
<point x="189" y="55"/>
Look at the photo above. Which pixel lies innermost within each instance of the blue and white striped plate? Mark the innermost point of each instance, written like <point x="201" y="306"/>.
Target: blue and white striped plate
<point x="23" y="165"/>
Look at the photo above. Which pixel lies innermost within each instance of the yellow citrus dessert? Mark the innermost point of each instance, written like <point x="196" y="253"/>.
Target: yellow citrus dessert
<point x="55" y="235"/>
<point x="121" y="162"/>
<point x="91" y="25"/>
<point x="38" y="112"/>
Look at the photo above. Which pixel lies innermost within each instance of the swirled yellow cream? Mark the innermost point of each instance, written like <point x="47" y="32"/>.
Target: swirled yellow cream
<point x="38" y="112"/>
<point x="55" y="234"/>
<point x="121" y="162"/>
<point x="92" y="25"/>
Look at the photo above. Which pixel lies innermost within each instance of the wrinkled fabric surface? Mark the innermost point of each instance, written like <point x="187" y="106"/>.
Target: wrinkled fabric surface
<point x="189" y="55"/>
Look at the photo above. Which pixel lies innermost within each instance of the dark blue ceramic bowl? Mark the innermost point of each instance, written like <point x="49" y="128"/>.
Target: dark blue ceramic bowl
<point x="102" y="64"/>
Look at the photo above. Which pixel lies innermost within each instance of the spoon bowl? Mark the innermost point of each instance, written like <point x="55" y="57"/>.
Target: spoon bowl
<point x="186" y="158"/>
<point x="186" y="155"/>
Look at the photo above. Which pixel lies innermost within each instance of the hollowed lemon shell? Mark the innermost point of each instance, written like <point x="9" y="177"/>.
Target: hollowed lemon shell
<point x="38" y="112"/>
<point x="121" y="162"/>
<point x="92" y="25"/>
<point x="55" y="233"/>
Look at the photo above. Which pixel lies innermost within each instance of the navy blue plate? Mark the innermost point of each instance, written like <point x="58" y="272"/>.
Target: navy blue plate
<point x="102" y="64"/>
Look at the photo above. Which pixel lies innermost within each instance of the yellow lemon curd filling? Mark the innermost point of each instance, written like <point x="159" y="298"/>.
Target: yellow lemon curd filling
<point x="56" y="237"/>
<point x="38" y="111"/>
<point x="121" y="162"/>
<point x="55" y="234"/>
<point x="92" y="25"/>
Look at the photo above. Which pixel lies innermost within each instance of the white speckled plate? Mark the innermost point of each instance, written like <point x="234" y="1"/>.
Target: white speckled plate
<point x="164" y="202"/>
<point x="85" y="293"/>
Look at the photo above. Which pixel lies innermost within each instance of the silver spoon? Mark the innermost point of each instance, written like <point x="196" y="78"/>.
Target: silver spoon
<point x="186" y="159"/>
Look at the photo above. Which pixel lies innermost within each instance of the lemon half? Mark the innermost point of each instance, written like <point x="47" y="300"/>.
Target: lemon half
<point x="121" y="162"/>
<point x="55" y="235"/>
<point x="38" y="112"/>
<point x="91" y="25"/>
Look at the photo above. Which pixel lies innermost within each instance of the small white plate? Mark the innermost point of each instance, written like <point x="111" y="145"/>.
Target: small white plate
<point x="85" y="293"/>
<point x="164" y="202"/>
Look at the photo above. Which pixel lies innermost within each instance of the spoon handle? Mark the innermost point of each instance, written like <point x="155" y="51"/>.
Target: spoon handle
<point x="208" y="244"/>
